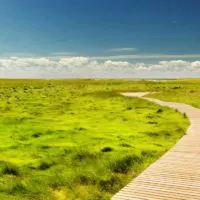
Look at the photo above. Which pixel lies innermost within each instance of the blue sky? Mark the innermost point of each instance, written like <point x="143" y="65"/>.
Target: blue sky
<point x="134" y="31"/>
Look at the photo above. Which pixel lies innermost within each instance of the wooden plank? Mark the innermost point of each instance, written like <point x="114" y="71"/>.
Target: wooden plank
<point x="176" y="175"/>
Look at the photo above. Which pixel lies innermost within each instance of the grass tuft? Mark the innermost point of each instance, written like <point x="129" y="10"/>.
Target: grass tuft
<point x="124" y="165"/>
<point x="111" y="184"/>
<point x="160" y="110"/>
<point x="19" y="188"/>
<point x="36" y="135"/>
<point x="107" y="149"/>
<point x="46" y="164"/>
<point x="10" y="169"/>
<point x="125" y="145"/>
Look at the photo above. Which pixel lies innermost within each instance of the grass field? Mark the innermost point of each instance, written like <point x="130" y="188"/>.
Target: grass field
<point x="79" y="139"/>
<point x="185" y="91"/>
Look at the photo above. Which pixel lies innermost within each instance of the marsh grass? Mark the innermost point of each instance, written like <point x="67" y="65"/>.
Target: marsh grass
<point x="125" y="164"/>
<point x="79" y="139"/>
<point x="10" y="169"/>
<point x="183" y="91"/>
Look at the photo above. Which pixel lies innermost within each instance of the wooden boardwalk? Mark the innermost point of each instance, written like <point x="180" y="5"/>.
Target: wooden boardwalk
<point x="176" y="175"/>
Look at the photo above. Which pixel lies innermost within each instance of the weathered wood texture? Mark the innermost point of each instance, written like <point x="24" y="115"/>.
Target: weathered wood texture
<point x="176" y="175"/>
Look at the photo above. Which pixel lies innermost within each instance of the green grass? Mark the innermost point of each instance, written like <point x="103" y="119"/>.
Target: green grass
<point x="184" y="91"/>
<point x="79" y="139"/>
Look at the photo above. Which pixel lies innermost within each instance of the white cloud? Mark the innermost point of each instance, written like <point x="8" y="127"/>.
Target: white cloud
<point x="40" y="67"/>
<point x="74" y="61"/>
<point x="114" y="64"/>
<point x="174" y="65"/>
<point x="195" y="64"/>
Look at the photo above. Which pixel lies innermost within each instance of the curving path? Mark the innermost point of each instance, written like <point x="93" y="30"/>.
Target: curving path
<point x="176" y="175"/>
